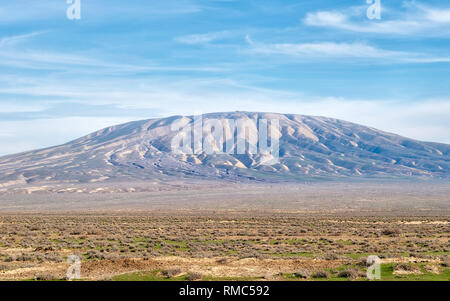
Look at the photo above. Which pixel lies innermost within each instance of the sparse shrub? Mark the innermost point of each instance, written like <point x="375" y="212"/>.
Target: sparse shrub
<point x="363" y="262"/>
<point x="194" y="276"/>
<point x="139" y="236"/>
<point x="53" y="257"/>
<point x="391" y="232"/>
<point x="46" y="277"/>
<point x="302" y="274"/>
<point x="10" y="258"/>
<point x="320" y="274"/>
<point x="407" y="267"/>
<point x="24" y="257"/>
<point x="349" y="273"/>
<point x="331" y="256"/>
<point x="403" y="267"/>
<point x="170" y="272"/>
<point x="93" y="254"/>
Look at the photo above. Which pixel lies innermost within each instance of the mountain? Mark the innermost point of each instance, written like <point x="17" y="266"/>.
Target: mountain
<point x="309" y="148"/>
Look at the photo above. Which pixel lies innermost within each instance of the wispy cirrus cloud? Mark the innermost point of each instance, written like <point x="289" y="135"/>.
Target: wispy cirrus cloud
<point x="17" y="136"/>
<point x="416" y="19"/>
<point x="437" y="15"/>
<point x="338" y="20"/>
<point x="11" y="107"/>
<point x="31" y="59"/>
<point x="327" y="49"/>
<point x="15" y="39"/>
<point x="26" y="57"/>
<point x="205" y="38"/>
<point x="332" y="50"/>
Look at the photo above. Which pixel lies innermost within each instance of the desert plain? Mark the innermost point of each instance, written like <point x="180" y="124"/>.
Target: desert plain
<point x="293" y="232"/>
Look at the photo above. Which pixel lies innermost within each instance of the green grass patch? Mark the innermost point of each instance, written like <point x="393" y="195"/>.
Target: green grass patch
<point x="212" y="278"/>
<point x="293" y="277"/>
<point x="55" y="240"/>
<point x="148" y="276"/>
<point x="180" y="245"/>
<point x="387" y="274"/>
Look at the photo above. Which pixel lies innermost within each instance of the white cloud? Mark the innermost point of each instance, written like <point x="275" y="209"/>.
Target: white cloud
<point x="341" y="21"/>
<point x="12" y="40"/>
<point x="7" y="107"/>
<point x="416" y="20"/>
<point x="332" y="50"/>
<point x="425" y="120"/>
<point x="326" y="18"/>
<point x="202" y="38"/>
<point x="24" y="135"/>
<point x="33" y="59"/>
<point x="328" y="49"/>
<point x="26" y="57"/>
<point x="438" y="16"/>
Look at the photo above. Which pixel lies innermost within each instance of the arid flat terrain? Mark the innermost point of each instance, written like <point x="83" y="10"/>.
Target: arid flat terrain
<point x="316" y="197"/>
<point x="301" y="232"/>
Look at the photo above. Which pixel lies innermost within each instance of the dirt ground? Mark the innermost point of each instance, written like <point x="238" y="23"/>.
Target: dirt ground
<point x="276" y="232"/>
<point x="221" y="245"/>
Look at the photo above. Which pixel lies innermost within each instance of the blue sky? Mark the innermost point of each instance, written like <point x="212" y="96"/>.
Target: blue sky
<point x="128" y="60"/>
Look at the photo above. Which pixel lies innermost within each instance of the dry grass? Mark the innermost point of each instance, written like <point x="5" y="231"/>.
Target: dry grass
<point x="222" y="244"/>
